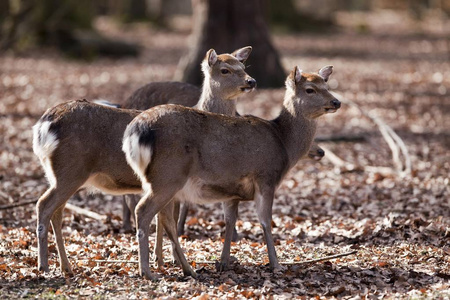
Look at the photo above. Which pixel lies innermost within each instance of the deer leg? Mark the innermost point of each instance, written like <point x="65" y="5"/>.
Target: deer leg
<point x="264" y="201"/>
<point x="230" y="209"/>
<point x="182" y="220"/>
<point x="57" y="227"/>
<point x="176" y="214"/>
<point x="157" y="254"/>
<point x="170" y="226"/>
<point x="53" y="199"/>
<point x="126" y="215"/>
<point x="150" y="204"/>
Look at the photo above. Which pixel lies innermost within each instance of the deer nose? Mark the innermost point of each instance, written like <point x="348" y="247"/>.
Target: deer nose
<point x="251" y="82"/>
<point x="336" y="103"/>
<point x="321" y="152"/>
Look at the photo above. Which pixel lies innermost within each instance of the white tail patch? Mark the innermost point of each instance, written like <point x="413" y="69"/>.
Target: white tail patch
<point x="138" y="156"/>
<point x="44" y="143"/>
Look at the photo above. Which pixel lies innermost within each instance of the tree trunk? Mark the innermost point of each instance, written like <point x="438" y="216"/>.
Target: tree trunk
<point x="226" y="26"/>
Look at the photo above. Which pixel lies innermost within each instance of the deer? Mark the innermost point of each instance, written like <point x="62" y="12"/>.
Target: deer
<point x="221" y="158"/>
<point x="153" y="93"/>
<point x="218" y="96"/>
<point x="79" y="145"/>
<point x="147" y="96"/>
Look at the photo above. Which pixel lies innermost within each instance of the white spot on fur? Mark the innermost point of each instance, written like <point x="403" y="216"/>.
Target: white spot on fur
<point x="47" y="143"/>
<point x="44" y="143"/>
<point x="105" y="102"/>
<point x="138" y="156"/>
<point x="191" y="191"/>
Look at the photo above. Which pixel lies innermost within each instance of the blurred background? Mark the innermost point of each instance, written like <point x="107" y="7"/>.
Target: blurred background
<point x="84" y="29"/>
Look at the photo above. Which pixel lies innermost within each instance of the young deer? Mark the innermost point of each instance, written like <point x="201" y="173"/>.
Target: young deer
<point x="221" y="158"/>
<point x="218" y="95"/>
<point x="79" y="144"/>
<point x="150" y="95"/>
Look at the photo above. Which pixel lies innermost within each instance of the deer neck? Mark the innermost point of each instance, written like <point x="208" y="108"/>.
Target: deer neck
<point x="212" y="101"/>
<point x="296" y="131"/>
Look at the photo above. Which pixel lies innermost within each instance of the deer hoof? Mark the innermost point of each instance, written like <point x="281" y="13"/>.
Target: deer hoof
<point x="279" y="269"/>
<point x="67" y="271"/>
<point x="221" y="266"/>
<point x="191" y="273"/>
<point x="44" y="269"/>
<point x="150" y="276"/>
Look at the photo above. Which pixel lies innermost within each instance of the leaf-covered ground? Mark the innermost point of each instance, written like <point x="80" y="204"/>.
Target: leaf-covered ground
<point x="399" y="226"/>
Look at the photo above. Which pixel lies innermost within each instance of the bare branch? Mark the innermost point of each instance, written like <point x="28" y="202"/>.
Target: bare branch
<point x="320" y="259"/>
<point x="86" y="212"/>
<point x="23" y="203"/>
<point x="349" y="167"/>
<point x="111" y="261"/>
<point x="299" y="262"/>
<point x="394" y="141"/>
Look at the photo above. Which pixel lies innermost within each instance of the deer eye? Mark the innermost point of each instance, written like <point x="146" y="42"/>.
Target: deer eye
<point x="224" y="71"/>
<point x="310" y="91"/>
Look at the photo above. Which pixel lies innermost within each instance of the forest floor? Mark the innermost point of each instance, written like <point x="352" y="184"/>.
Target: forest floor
<point x="398" y="225"/>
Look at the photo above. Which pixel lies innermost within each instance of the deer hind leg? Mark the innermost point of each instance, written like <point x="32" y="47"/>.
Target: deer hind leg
<point x="157" y="254"/>
<point x="230" y="209"/>
<point x="50" y="207"/>
<point x="149" y="205"/>
<point x="129" y="203"/>
<point x="126" y="215"/>
<point x="264" y="201"/>
<point x="182" y="218"/>
<point x="57" y="226"/>
<point x="168" y="221"/>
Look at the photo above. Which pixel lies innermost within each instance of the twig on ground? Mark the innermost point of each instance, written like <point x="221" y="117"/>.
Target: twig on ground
<point x="341" y="138"/>
<point x="112" y="261"/>
<point x="23" y="203"/>
<point x="349" y="167"/>
<point x="394" y="141"/>
<point x="320" y="259"/>
<point x="298" y="262"/>
<point x="86" y="212"/>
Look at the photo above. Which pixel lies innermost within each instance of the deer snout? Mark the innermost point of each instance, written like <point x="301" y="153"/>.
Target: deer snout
<point x="251" y="82"/>
<point x="320" y="153"/>
<point x="336" y="103"/>
<point x="333" y="106"/>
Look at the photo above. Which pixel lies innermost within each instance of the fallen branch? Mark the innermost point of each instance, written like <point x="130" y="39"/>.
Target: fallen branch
<point x="112" y="261"/>
<point x="298" y="262"/>
<point x="23" y="203"/>
<point x="86" y="212"/>
<point x="320" y="259"/>
<point x="349" y="167"/>
<point x="393" y="140"/>
<point x="341" y="138"/>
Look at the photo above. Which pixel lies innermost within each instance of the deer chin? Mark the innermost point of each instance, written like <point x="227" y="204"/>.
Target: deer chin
<point x="331" y="110"/>
<point x="247" y="89"/>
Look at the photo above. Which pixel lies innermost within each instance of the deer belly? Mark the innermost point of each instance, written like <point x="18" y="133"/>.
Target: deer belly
<point x="109" y="185"/>
<point x="199" y="191"/>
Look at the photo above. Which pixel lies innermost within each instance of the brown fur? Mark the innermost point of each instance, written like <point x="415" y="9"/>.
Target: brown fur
<point x="86" y="151"/>
<point x="221" y="158"/>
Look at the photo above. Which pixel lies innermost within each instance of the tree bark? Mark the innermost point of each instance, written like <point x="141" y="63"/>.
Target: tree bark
<point x="226" y="26"/>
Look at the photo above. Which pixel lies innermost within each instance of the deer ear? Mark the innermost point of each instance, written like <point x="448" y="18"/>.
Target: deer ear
<point x="325" y="72"/>
<point x="211" y="56"/>
<point x="294" y="77"/>
<point x="242" y="54"/>
<point x="297" y="74"/>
